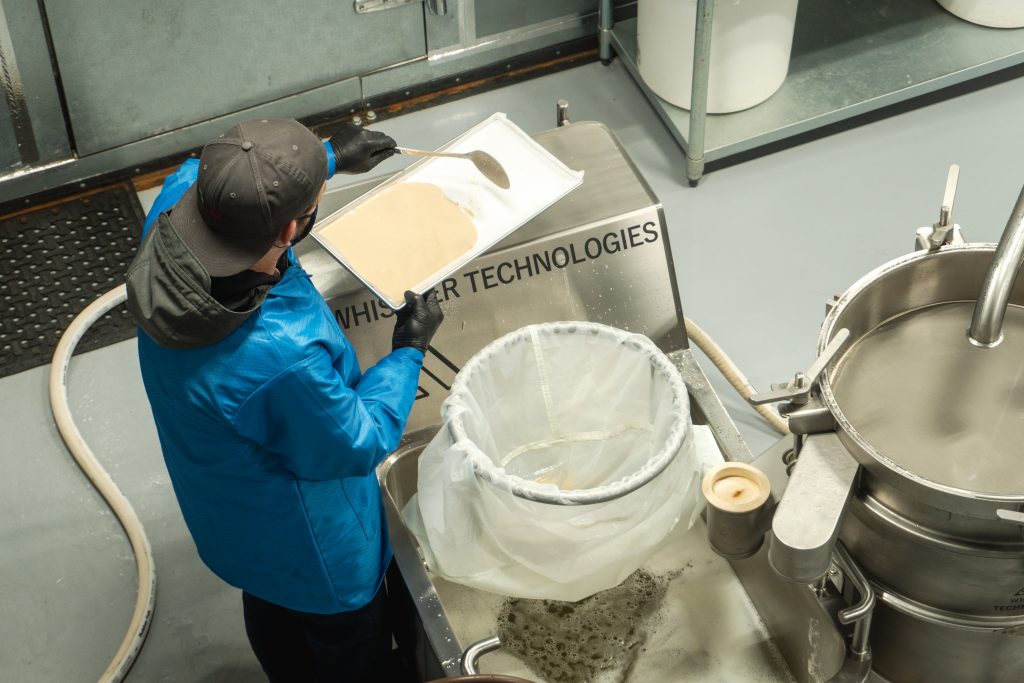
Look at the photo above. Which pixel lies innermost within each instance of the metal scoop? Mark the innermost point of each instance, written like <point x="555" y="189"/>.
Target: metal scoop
<point x="484" y="162"/>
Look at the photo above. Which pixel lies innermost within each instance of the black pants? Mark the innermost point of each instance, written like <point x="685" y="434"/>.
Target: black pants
<point x="299" y="647"/>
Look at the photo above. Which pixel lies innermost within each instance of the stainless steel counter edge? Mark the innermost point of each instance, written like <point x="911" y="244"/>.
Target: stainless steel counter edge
<point x="733" y="446"/>
<point x="436" y="626"/>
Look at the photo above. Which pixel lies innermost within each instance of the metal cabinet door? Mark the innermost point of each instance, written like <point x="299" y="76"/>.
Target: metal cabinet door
<point x="132" y="69"/>
<point x="463" y="35"/>
<point x="496" y="17"/>
<point x="32" y="130"/>
<point x="475" y="24"/>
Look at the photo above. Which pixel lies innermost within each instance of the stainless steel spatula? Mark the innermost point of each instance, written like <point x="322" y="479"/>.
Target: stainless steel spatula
<point x="484" y="162"/>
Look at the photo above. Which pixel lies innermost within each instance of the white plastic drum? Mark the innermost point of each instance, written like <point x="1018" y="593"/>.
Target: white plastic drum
<point x="750" y="46"/>
<point x="995" y="13"/>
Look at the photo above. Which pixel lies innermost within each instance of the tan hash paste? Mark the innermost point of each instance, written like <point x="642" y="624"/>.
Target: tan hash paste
<point x="401" y="236"/>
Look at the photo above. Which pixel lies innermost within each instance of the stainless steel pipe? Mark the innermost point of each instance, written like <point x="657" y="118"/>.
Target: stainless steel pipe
<point x="987" y="325"/>
<point x="605" y="22"/>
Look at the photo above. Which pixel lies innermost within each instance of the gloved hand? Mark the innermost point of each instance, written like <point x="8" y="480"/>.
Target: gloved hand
<point x="357" y="150"/>
<point x="417" y="322"/>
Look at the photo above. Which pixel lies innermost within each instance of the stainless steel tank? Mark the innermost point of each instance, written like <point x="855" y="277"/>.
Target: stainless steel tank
<point x="937" y="426"/>
<point x="925" y="522"/>
<point x="915" y="442"/>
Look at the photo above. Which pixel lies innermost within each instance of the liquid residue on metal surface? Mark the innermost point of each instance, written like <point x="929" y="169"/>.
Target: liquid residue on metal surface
<point x="597" y="639"/>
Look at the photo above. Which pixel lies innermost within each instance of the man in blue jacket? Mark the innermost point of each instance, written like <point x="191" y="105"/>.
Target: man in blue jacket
<point x="270" y="432"/>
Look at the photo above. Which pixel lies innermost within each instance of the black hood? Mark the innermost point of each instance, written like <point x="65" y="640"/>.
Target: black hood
<point x="169" y="294"/>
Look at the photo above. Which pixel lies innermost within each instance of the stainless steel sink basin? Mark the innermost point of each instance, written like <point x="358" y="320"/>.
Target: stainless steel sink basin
<point x="398" y="473"/>
<point x="705" y="612"/>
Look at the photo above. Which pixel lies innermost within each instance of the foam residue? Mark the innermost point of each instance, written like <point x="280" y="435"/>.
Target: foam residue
<point x="595" y="640"/>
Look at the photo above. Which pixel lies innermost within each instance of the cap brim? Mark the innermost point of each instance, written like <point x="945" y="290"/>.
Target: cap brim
<point x="220" y="255"/>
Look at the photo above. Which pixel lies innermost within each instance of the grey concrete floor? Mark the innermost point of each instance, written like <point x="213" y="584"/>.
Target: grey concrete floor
<point x="759" y="247"/>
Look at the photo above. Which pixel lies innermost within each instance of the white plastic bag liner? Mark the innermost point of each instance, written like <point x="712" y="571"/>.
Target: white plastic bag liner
<point x="571" y="413"/>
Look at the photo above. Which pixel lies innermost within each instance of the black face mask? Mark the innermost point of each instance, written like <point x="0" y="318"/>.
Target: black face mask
<point x="309" y="226"/>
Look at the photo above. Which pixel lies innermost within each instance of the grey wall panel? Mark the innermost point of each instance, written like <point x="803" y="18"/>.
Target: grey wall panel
<point x="445" y="30"/>
<point x="32" y="127"/>
<point x="136" y="68"/>
<point x="498" y="16"/>
<point x="10" y="158"/>
<point x="494" y="24"/>
<point x="176" y="142"/>
<point x="474" y="56"/>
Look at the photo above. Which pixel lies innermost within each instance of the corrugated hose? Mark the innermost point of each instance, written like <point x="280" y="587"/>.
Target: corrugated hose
<point x="733" y="374"/>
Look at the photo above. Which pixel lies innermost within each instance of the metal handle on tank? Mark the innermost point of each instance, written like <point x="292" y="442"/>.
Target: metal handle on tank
<point x="799" y="388"/>
<point x="857" y="665"/>
<point x="866" y="605"/>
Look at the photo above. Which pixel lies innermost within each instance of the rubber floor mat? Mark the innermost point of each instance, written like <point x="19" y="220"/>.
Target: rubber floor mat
<point x="54" y="261"/>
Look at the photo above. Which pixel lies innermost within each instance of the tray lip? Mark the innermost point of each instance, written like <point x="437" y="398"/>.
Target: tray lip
<point x="402" y="175"/>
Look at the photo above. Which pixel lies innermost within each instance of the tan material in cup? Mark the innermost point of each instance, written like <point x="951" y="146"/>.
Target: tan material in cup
<point x="737" y="518"/>
<point x="736" y="487"/>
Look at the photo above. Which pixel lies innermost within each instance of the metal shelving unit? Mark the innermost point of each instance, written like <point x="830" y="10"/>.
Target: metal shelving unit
<point x="848" y="58"/>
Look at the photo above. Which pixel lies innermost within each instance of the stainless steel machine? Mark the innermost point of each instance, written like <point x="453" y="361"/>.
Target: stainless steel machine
<point x="906" y="456"/>
<point x="602" y="254"/>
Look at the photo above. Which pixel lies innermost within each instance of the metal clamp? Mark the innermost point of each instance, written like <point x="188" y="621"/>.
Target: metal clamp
<point x="943" y="231"/>
<point x="798" y="390"/>
<point x="813" y="417"/>
<point x="476" y="651"/>
<point x="562" y="113"/>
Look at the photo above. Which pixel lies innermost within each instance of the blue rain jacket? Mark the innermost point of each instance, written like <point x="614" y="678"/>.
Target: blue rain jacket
<point x="271" y="434"/>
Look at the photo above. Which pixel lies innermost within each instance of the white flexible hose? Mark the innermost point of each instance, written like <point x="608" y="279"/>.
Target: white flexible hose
<point x="732" y="373"/>
<point x="145" y="599"/>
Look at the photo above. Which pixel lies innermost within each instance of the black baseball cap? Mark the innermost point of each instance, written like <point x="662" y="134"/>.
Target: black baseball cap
<point x="253" y="180"/>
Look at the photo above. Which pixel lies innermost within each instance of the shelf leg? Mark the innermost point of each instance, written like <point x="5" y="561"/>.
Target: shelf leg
<point x="605" y="22"/>
<point x="699" y="92"/>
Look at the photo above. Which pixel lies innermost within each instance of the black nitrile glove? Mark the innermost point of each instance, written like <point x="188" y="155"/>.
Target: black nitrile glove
<point x="417" y="322"/>
<point x="357" y="150"/>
